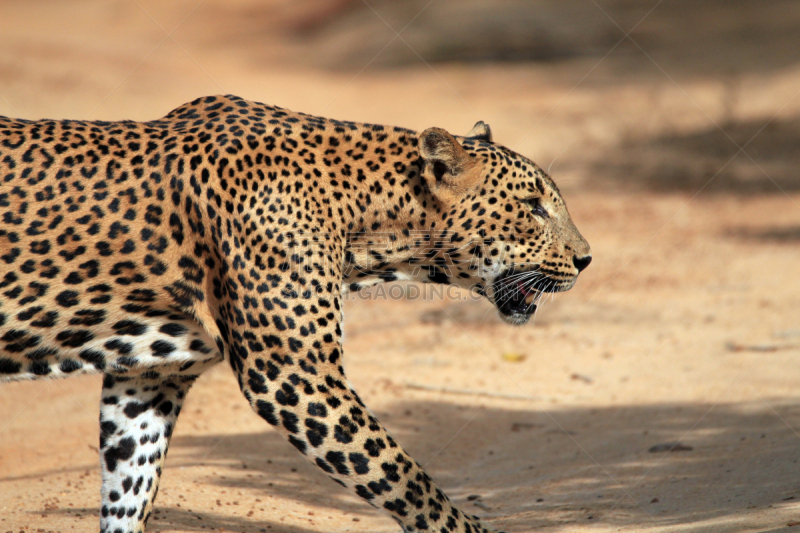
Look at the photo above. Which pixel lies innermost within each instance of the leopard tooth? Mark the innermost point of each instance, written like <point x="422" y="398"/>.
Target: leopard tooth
<point x="529" y="298"/>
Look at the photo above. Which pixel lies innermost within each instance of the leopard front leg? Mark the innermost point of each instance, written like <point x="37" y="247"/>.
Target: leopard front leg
<point x="137" y="417"/>
<point x="294" y="380"/>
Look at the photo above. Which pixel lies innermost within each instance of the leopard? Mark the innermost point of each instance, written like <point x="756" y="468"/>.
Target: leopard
<point x="232" y="231"/>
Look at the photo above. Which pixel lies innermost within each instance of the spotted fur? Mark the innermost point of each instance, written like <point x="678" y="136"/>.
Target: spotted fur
<point x="230" y="230"/>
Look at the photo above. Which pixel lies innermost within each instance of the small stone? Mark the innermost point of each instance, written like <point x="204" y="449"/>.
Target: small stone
<point x="670" y="447"/>
<point x="581" y="377"/>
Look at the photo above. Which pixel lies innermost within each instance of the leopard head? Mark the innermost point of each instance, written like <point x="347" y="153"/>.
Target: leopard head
<point x="503" y="225"/>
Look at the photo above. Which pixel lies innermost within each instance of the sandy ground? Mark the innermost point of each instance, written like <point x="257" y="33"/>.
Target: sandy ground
<point x="685" y="329"/>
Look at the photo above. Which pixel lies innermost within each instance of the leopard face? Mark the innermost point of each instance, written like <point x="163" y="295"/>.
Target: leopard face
<point x="505" y="229"/>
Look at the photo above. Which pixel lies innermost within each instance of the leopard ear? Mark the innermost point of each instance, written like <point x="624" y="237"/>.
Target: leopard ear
<point x="480" y="131"/>
<point x="447" y="167"/>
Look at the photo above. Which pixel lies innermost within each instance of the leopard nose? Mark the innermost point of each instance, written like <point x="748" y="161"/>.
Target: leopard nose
<point x="581" y="262"/>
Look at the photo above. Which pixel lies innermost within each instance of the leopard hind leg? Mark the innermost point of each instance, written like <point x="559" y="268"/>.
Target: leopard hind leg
<point x="139" y="409"/>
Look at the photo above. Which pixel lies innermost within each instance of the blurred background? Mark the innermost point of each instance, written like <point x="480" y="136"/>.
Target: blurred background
<point x="672" y="128"/>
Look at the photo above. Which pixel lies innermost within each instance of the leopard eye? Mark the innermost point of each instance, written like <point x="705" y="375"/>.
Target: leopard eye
<point x="535" y="207"/>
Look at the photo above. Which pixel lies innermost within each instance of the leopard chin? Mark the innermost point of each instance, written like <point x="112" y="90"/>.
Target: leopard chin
<point x="518" y="319"/>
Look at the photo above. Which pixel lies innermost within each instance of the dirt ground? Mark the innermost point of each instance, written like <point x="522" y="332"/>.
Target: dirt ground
<point x="676" y="148"/>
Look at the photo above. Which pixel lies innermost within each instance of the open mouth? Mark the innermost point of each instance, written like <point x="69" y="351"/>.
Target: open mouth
<point x="517" y="294"/>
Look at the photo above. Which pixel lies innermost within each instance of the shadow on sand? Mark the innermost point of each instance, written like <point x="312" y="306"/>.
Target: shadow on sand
<point x="539" y="468"/>
<point x="709" y="161"/>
